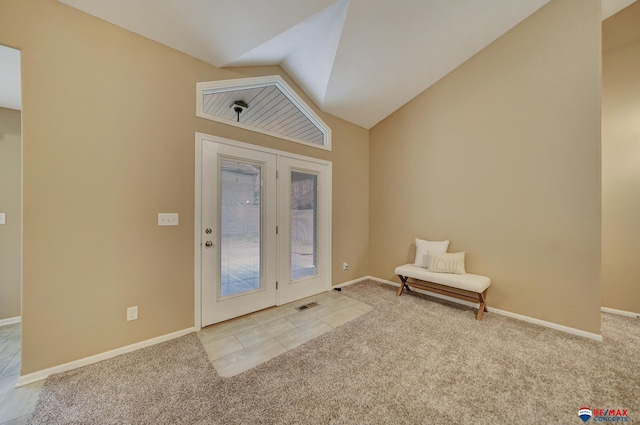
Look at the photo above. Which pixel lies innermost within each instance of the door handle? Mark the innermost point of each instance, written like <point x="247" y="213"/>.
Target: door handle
<point x="208" y="244"/>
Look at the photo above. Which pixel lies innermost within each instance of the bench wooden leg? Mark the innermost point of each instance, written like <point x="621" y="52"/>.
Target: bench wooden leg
<point x="403" y="285"/>
<point x="483" y="304"/>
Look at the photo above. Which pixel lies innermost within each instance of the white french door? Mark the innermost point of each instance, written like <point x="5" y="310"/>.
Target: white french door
<point x="303" y="212"/>
<point x="238" y="247"/>
<point x="264" y="229"/>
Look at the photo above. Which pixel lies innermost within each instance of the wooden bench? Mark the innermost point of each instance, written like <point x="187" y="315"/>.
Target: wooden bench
<point x="468" y="287"/>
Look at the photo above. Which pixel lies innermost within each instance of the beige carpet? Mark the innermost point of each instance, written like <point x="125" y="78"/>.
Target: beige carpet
<point x="410" y="361"/>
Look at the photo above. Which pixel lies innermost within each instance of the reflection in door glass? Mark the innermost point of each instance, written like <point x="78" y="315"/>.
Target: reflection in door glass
<point x="240" y="195"/>
<point x="304" y="225"/>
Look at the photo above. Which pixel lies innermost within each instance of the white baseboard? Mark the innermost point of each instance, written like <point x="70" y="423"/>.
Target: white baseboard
<point x="351" y="282"/>
<point x="528" y="319"/>
<point x="10" y="321"/>
<point x="546" y="324"/>
<point x="43" y="374"/>
<point x="620" y="312"/>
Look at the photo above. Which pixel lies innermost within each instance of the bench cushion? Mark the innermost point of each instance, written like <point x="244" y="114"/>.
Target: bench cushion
<point x="468" y="282"/>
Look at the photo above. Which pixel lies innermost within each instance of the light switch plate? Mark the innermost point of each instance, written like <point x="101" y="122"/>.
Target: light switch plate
<point x="3" y="218"/>
<point x="167" y="219"/>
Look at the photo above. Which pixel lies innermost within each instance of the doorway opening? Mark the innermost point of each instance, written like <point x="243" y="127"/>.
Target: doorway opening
<point x="11" y="234"/>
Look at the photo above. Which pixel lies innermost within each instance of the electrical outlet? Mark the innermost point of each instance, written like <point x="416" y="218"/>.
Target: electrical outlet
<point x="345" y="266"/>
<point x="132" y="313"/>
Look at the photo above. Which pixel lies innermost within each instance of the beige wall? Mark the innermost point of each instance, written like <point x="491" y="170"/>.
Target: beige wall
<point x="502" y="157"/>
<point x="621" y="160"/>
<point x="109" y="122"/>
<point x="10" y="204"/>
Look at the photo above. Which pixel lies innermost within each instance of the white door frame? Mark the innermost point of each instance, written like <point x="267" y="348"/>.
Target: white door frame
<point x="197" y="225"/>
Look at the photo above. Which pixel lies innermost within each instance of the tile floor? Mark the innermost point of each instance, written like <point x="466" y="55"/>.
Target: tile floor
<point x="240" y="344"/>
<point x="233" y="346"/>
<point x="15" y="403"/>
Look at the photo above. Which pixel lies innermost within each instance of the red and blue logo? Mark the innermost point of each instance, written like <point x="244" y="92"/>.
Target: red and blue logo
<point x="603" y="415"/>
<point x="585" y="414"/>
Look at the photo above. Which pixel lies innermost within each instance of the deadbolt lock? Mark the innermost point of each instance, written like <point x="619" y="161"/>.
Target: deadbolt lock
<point x="208" y="244"/>
<point x="208" y="230"/>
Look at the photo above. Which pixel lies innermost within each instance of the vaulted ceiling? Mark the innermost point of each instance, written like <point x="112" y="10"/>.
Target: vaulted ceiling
<point x="356" y="59"/>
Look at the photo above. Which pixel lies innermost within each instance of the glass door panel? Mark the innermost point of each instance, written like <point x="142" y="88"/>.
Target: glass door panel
<point x="240" y="227"/>
<point x="304" y="225"/>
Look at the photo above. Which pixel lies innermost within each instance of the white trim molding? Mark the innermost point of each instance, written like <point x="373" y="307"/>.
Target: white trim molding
<point x="521" y="317"/>
<point x="546" y="324"/>
<point x="620" y="312"/>
<point x="10" y="321"/>
<point x="350" y="282"/>
<point x="217" y="139"/>
<point x="43" y="374"/>
<point x="197" y="228"/>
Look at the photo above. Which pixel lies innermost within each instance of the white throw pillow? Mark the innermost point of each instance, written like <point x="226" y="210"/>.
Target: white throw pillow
<point x="425" y="248"/>
<point x="447" y="263"/>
